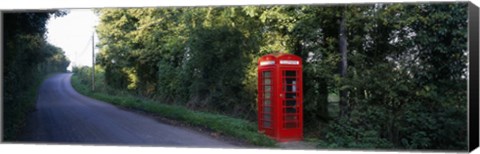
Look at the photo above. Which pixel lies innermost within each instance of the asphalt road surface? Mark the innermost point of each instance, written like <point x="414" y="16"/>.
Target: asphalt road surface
<point x="64" y="116"/>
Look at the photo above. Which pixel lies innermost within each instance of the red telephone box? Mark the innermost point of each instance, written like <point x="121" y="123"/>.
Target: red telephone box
<point x="280" y="97"/>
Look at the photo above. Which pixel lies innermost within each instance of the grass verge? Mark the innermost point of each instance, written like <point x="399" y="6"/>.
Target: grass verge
<point x="238" y="128"/>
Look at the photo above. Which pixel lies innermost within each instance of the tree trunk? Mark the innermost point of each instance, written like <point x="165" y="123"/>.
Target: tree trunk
<point x="343" y="67"/>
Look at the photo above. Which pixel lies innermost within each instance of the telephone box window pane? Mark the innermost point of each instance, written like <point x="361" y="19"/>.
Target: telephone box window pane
<point x="290" y="73"/>
<point x="268" y="88"/>
<point x="291" y="125"/>
<point x="266" y="74"/>
<point x="266" y="116"/>
<point x="266" y="124"/>
<point x="290" y="110"/>
<point x="291" y="81"/>
<point x="267" y="81"/>
<point x="290" y="95"/>
<point x="291" y="117"/>
<point x="290" y="103"/>
<point x="266" y="109"/>
<point x="266" y="102"/>
<point x="291" y="88"/>
<point x="267" y="95"/>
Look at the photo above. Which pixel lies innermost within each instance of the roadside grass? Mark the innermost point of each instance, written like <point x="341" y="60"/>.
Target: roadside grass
<point x="238" y="128"/>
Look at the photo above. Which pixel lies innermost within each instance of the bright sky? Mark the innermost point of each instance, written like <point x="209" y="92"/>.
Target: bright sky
<point x="73" y="33"/>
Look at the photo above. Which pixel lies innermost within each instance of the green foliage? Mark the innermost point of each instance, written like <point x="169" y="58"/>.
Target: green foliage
<point x="210" y="82"/>
<point x="28" y="59"/>
<point x="344" y="135"/>
<point x="194" y="45"/>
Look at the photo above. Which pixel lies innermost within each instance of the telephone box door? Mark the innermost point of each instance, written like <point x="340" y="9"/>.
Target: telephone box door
<point x="290" y="96"/>
<point x="266" y="100"/>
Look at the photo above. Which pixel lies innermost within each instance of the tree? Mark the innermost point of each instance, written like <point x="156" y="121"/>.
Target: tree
<point x="28" y="58"/>
<point x="342" y="43"/>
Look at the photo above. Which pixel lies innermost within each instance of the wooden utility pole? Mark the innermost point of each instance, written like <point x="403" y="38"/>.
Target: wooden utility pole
<point x="93" y="62"/>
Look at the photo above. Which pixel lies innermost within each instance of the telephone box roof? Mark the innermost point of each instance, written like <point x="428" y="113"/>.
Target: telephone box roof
<point x="280" y="56"/>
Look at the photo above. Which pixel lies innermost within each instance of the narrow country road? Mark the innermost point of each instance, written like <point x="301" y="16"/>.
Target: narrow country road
<point x="65" y="116"/>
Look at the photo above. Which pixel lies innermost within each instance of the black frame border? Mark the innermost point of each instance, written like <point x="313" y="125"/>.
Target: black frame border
<point x="473" y="108"/>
